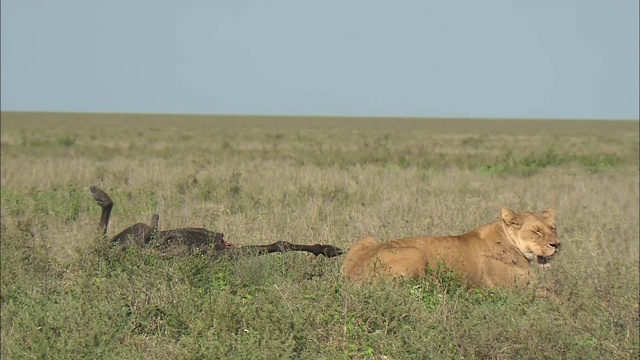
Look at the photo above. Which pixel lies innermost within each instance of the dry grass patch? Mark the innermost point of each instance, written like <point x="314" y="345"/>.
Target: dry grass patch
<point x="259" y="180"/>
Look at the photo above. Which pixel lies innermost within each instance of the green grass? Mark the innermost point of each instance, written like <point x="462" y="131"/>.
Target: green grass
<point x="309" y="180"/>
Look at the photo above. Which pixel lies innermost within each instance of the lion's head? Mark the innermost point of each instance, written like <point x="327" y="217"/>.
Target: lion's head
<point x="533" y="233"/>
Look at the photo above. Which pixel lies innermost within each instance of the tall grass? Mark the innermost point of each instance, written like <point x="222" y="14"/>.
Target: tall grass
<point x="66" y="295"/>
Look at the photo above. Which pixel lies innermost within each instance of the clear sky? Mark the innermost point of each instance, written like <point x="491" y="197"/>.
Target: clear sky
<point x="466" y="58"/>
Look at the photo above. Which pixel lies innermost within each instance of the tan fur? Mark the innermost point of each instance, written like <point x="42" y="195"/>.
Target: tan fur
<point x="497" y="254"/>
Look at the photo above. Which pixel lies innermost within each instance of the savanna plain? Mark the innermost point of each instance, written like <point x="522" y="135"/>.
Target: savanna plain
<point x="65" y="293"/>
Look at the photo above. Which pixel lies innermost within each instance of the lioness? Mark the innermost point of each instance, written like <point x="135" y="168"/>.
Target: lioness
<point x="494" y="255"/>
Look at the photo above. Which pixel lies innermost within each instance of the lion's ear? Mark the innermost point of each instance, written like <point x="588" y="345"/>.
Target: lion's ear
<point x="550" y="214"/>
<point x="509" y="217"/>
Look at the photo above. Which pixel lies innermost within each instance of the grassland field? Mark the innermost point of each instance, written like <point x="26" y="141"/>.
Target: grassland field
<point x="65" y="294"/>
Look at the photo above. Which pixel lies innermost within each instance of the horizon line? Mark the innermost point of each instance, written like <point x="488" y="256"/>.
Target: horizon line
<point x="403" y="117"/>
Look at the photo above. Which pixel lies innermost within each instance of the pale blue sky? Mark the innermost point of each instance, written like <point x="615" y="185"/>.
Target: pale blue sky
<point x="468" y="58"/>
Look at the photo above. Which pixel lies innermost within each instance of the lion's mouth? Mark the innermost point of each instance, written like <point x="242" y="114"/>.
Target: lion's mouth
<point x="228" y="245"/>
<point x="544" y="261"/>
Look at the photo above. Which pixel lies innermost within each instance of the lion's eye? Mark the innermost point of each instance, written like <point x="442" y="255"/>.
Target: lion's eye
<point x="538" y="232"/>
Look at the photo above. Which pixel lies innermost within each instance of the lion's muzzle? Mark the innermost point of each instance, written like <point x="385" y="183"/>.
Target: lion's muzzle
<point x="545" y="261"/>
